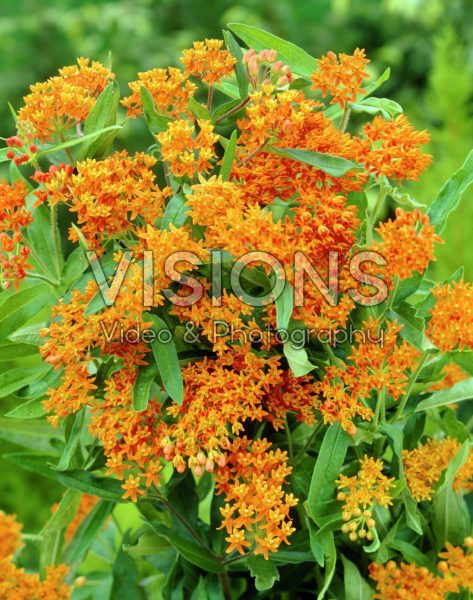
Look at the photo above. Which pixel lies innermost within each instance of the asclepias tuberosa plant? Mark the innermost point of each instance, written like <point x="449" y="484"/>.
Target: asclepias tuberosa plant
<point x="227" y="347"/>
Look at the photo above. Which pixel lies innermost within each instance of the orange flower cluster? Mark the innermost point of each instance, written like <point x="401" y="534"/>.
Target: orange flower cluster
<point x="361" y="491"/>
<point x="170" y="89"/>
<point x="451" y="316"/>
<point x="410" y="582"/>
<point x="342" y="77"/>
<point x="424" y="465"/>
<point x="13" y="215"/>
<point x="66" y="99"/>
<point x="225" y="392"/>
<point x="108" y="195"/>
<point x="186" y="154"/>
<point x="10" y="535"/>
<point x="208" y="62"/>
<point x="392" y="148"/>
<point x="15" y="584"/>
<point x="256" y="513"/>
<point x="407" y="244"/>
<point x="378" y="362"/>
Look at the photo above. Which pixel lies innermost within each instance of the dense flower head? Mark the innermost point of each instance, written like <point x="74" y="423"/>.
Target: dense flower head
<point x="256" y="512"/>
<point x="170" y="88"/>
<point x="10" y="535"/>
<point x="108" y="195"/>
<point x="186" y="152"/>
<point x="407" y="244"/>
<point x="424" y="465"/>
<point x="66" y="99"/>
<point x="208" y="62"/>
<point x="360" y="493"/>
<point x="393" y="149"/>
<point x="451" y="316"/>
<point x="341" y="77"/>
<point x="15" y="584"/>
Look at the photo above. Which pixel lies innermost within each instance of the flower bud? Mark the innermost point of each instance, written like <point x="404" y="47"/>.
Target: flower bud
<point x="469" y="542"/>
<point x="198" y="471"/>
<point x="353" y="536"/>
<point x="80" y="581"/>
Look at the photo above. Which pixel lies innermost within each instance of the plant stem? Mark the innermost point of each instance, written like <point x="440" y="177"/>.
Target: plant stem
<point x="372" y="219"/>
<point x="178" y="516"/>
<point x="345" y="117"/>
<point x="309" y="441"/>
<point x="67" y="150"/>
<point x="43" y="278"/>
<point x="253" y="153"/>
<point x="379" y="407"/>
<point x="225" y="585"/>
<point x="289" y="438"/>
<point x="410" y="385"/>
<point x="209" y="100"/>
<point x="232" y="110"/>
<point x="56" y="239"/>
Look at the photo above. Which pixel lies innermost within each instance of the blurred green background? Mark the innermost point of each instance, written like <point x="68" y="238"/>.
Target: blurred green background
<point x="427" y="43"/>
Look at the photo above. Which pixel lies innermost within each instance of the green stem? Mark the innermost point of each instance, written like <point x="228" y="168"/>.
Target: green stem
<point x="57" y="250"/>
<point x="345" y="117"/>
<point x="253" y="153"/>
<point x="379" y="407"/>
<point x="410" y="385"/>
<point x="209" y="100"/>
<point x="68" y="150"/>
<point x="43" y="278"/>
<point x="369" y="230"/>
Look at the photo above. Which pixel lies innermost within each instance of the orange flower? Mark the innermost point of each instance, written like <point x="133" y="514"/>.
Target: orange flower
<point x="64" y="100"/>
<point x="342" y="77"/>
<point x="208" y="62"/>
<point x="188" y="155"/>
<point x="10" y="535"/>
<point x="108" y="195"/>
<point x="451" y="316"/>
<point x="407" y="244"/>
<point x="15" y="584"/>
<point x="257" y="508"/>
<point x="392" y="148"/>
<point x="132" y="487"/>
<point x="170" y="89"/>
<point x="424" y="465"/>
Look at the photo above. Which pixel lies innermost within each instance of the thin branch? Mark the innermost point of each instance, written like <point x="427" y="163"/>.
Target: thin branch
<point x="232" y="110"/>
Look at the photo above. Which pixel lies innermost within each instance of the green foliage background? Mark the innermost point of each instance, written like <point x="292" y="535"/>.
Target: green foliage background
<point x="427" y="43"/>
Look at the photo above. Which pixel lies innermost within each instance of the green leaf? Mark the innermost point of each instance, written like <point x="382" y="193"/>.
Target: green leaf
<point x="142" y="386"/>
<point x="372" y="105"/>
<point x="33" y="409"/>
<point x="332" y="165"/>
<point x="356" y="587"/>
<point x="167" y="360"/>
<point x="228" y="157"/>
<point x="30" y="434"/>
<point x="15" y="379"/>
<point x="77" y="140"/>
<point x="28" y="335"/>
<point x="75" y="265"/>
<point x="264" y="572"/>
<point x="236" y="52"/>
<point x="450" y="517"/>
<point x="330" y="553"/>
<point x="126" y="584"/>
<point x="412" y="326"/>
<point x="457" y="461"/>
<point x="297" y="359"/>
<point x="374" y="544"/>
<point x="462" y="390"/>
<point x="198" y="110"/>
<point x="37" y="463"/>
<point x="149" y="543"/>
<point x="9" y="351"/>
<point x="412" y="554"/>
<point x="18" y="307"/>
<point x="189" y="549"/>
<point x="290" y="54"/>
<point x="72" y="441"/>
<point x="326" y="471"/>
<point x="156" y="123"/>
<point x="407" y="287"/>
<point x="88" y="483"/>
<point x="54" y="531"/>
<point x="88" y="530"/>
<point x="450" y="195"/>
<point x="102" y="115"/>
<point x="176" y="212"/>
<point x="284" y="307"/>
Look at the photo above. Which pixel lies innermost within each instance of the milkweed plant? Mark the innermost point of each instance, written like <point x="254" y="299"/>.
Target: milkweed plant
<point x="225" y="347"/>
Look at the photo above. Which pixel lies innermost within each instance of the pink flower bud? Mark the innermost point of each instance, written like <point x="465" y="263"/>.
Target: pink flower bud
<point x="209" y="465"/>
<point x="278" y="65"/>
<point x="253" y="66"/>
<point x="271" y="56"/>
<point x="282" y="81"/>
<point x="248" y="54"/>
<point x="198" y="471"/>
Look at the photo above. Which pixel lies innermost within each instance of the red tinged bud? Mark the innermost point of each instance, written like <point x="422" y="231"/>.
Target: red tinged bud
<point x="10" y="154"/>
<point x="33" y="148"/>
